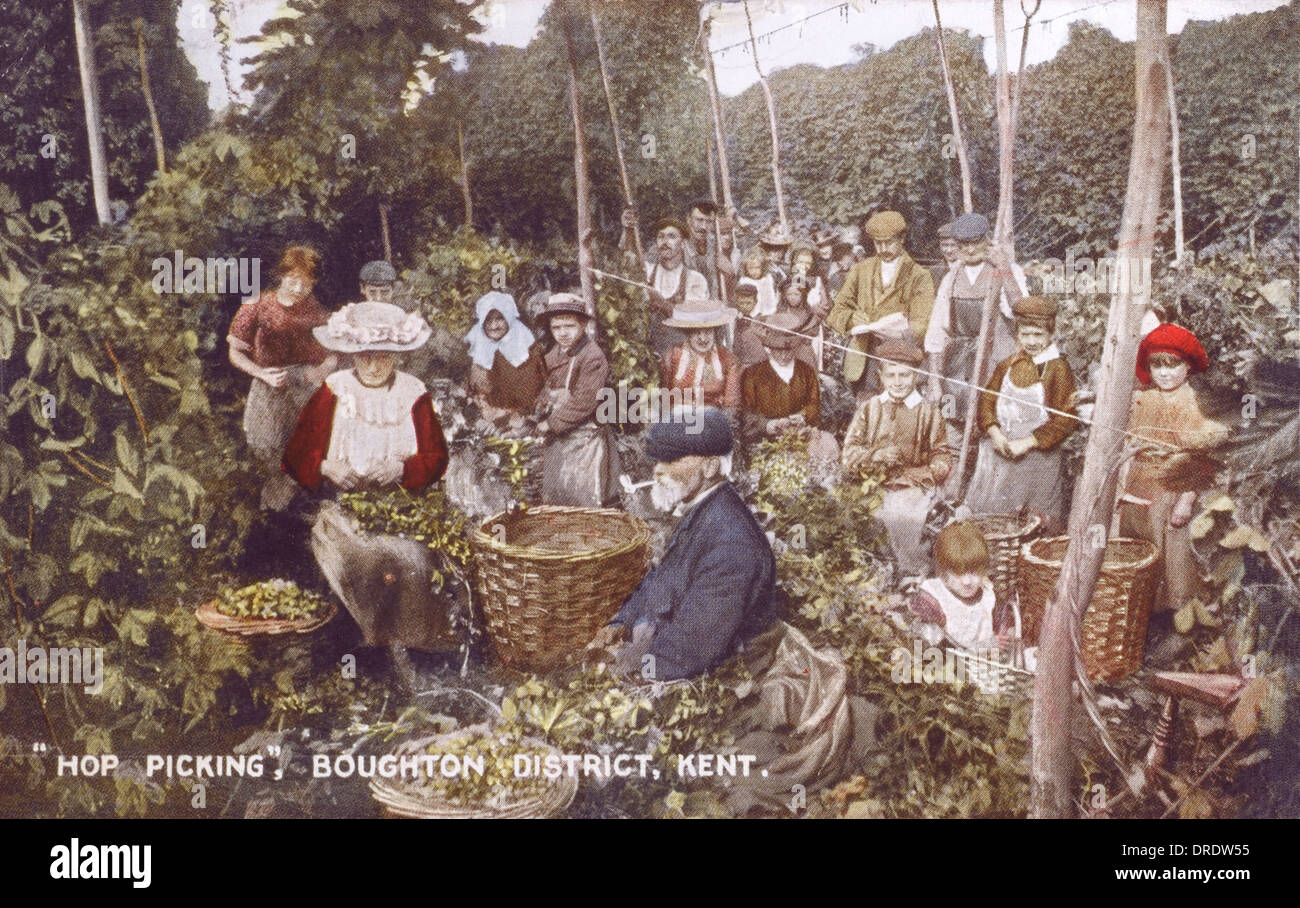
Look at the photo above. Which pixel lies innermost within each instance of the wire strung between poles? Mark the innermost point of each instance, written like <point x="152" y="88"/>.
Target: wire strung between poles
<point x="955" y="381"/>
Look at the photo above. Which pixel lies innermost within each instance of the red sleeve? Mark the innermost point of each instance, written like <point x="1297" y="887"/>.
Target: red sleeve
<point x="430" y="459"/>
<point x="927" y="608"/>
<point x="311" y="439"/>
<point x="245" y="322"/>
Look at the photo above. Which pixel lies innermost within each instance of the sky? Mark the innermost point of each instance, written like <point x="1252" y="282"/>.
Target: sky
<point x="827" y="37"/>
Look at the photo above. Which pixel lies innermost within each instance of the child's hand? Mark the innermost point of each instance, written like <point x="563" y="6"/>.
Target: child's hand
<point x="999" y="440"/>
<point x="1181" y="513"/>
<point x="1019" y="447"/>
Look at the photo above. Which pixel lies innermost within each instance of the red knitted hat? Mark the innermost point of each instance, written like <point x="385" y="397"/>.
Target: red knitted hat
<point x="1171" y="339"/>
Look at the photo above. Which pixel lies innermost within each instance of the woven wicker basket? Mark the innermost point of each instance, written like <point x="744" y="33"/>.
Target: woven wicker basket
<point x="558" y="577"/>
<point x="403" y="801"/>
<point x="1115" y="625"/>
<point x="247" y="630"/>
<point x="1005" y="534"/>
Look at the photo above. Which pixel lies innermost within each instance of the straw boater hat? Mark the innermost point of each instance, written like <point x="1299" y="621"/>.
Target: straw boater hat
<point x="884" y="225"/>
<point x="565" y="304"/>
<point x="372" y="326"/>
<point x="700" y="313"/>
<point x="824" y="238"/>
<point x="775" y="236"/>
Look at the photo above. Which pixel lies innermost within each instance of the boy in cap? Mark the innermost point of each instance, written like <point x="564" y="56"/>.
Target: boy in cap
<point x="1020" y="457"/>
<point x="888" y="294"/>
<point x="903" y="435"/>
<point x="954" y="329"/>
<point x="1160" y="491"/>
<point x="748" y="345"/>
<point x="377" y="279"/>
<point x="714" y="588"/>
<point x="579" y="466"/>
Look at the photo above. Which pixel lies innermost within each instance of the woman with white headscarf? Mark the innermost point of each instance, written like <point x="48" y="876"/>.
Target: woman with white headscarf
<point x="507" y="370"/>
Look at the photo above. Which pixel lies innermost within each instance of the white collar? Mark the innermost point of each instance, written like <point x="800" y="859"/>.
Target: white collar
<point x="888" y="270"/>
<point x="910" y="401"/>
<point x="1047" y="355"/>
<point x="973" y="272"/>
<point x="785" y="373"/>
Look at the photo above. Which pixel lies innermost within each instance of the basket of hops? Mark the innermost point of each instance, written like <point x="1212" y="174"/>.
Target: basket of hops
<point x="270" y="608"/>
<point x="478" y="782"/>
<point x="550" y="577"/>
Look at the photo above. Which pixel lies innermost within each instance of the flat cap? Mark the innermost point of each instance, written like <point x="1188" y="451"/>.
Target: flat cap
<point x="702" y="431"/>
<point x="885" y="224"/>
<point x="675" y="223"/>
<point x="900" y="350"/>
<point x="378" y="272"/>
<point x="970" y="227"/>
<point x="1034" y="308"/>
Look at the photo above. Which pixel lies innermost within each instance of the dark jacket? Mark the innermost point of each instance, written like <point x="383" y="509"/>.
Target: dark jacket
<point x="713" y="589"/>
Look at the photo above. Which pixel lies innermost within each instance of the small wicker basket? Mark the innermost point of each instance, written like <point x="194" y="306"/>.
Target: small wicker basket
<point x="550" y="577"/>
<point x="406" y="802"/>
<point x="247" y="630"/>
<point x="1115" y="624"/>
<point x="1005" y="534"/>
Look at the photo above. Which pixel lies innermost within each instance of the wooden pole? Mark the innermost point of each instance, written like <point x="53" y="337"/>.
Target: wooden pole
<point x="383" y="229"/>
<point x="771" y="122"/>
<point x="715" y="105"/>
<point x="1175" y="160"/>
<point x="85" y="39"/>
<point x="159" y="149"/>
<point x="962" y="162"/>
<point x="464" y="178"/>
<point x="582" y="180"/>
<point x="618" y="140"/>
<point x="1020" y="70"/>
<point x="1052" y="764"/>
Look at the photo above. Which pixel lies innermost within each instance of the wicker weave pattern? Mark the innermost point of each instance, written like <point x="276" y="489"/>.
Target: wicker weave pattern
<point x="1005" y="534"/>
<point x="560" y="575"/>
<point x="1115" y="625"/>
<point x="401" y="801"/>
<point x="246" y="630"/>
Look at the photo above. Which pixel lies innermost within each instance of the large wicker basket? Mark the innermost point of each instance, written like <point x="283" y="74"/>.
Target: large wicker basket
<point x="1005" y="534"/>
<point x="404" y="801"/>
<point x="1115" y="624"/>
<point x="550" y="577"/>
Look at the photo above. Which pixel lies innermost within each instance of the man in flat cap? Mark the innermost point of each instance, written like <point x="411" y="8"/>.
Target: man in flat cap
<point x="377" y="282"/>
<point x="714" y="587"/>
<point x="889" y="294"/>
<point x="953" y="333"/>
<point x="948" y="252"/>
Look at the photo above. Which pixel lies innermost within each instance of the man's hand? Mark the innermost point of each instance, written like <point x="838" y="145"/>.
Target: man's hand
<point x="934" y="390"/>
<point x="889" y="455"/>
<point x="274" y="376"/>
<point x="777" y="427"/>
<point x="340" y="473"/>
<point x="859" y="330"/>
<point x="608" y="637"/>
<point x="628" y="218"/>
<point x="1182" y="511"/>
<point x="544" y="428"/>
<point x="998" y="258"/>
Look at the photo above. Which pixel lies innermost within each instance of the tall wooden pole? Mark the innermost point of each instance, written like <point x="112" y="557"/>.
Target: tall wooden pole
<point x="85" y="39"/>
<point x="1020" y="70"/>
<point x="771" y="122"/>
<point x="159" y="150"/>
<point x="1052" y="764"/>
<point x="962" y="162"/>
<point x="582" y="179"/>
<point x="464" y="177"/>
<point x="1175" y="159"/>
<point x="383" y="232"/>
<point x="715" y="105"/>
<point x="618" y="140"/>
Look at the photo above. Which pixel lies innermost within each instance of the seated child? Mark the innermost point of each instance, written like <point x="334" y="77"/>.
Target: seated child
<point x="1160" y="492"/>
<point x="507" y="371"/>
<point x="1020" y="462"/>
<point x="904" y="435"/>
<point x="747" y="345"/>
<point x="960" y="600"/>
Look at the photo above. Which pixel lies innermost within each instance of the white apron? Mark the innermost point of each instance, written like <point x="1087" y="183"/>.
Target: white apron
<point x="969" y="626"/>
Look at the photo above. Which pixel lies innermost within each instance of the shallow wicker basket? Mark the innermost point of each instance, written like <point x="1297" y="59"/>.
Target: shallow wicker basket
<point x="1115" y="624"/>
<point x="559" y="575"/>
<point x="246" y="630"/>
<point x="1005" y="534"/>
<point x="403" y="801"/>
<point x="994" y="673"/>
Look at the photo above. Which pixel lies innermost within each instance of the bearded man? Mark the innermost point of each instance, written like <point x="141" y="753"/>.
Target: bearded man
<point x="714" y="588"/>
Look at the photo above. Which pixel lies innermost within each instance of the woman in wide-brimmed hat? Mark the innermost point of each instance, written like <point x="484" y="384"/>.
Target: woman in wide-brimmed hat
<point x="370" y="426"/>
<point x="579" y="465"/>
<point x="701" y="366"/>
<point x="271" y="340"/>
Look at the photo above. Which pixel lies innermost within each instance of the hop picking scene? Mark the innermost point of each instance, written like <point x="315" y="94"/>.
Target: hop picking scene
<point x="595" y="409"/>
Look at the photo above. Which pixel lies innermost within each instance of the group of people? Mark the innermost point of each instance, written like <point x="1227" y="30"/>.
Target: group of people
<point x="745" y="337"/>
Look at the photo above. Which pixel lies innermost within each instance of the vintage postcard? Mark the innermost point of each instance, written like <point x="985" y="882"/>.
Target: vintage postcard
<point x="606" y="409"/>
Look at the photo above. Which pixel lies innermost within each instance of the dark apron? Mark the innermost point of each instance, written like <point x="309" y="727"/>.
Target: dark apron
<point x="963" y="340"/>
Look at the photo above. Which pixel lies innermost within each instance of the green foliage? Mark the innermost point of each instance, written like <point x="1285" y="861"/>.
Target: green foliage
<point x="269" y="599"/>
<point x="427" y="517"/>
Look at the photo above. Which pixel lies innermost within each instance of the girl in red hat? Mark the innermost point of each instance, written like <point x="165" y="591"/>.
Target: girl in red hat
<point x="1161" y="486"/>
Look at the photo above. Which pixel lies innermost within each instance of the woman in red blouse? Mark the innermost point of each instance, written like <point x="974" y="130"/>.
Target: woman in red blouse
<point x="271" y="340"/>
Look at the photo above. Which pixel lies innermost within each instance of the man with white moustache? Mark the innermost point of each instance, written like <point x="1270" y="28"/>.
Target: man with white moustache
<point x="714" y="587"/>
